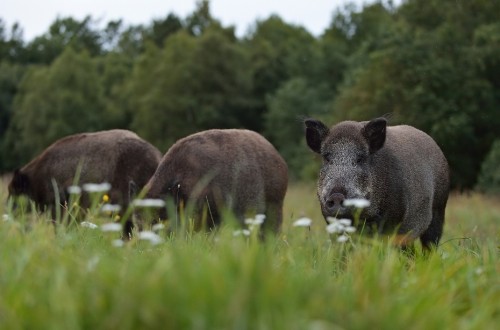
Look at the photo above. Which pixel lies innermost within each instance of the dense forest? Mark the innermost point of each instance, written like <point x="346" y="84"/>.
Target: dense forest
<point x="434" y="64"/>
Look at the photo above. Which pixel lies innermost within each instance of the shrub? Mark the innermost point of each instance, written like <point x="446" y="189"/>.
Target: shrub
<point x="489" y="177"/>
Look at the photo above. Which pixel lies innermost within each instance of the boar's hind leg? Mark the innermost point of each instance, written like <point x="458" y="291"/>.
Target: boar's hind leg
<point x="274" y="217"/>
<point x="432" y="235"/>
<point x="415" y="224"/>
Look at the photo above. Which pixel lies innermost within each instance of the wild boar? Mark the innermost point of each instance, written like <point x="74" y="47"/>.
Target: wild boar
<point x="400" y="170"/>
<point x="223" y="169"/>
<point x="118" y="157"/>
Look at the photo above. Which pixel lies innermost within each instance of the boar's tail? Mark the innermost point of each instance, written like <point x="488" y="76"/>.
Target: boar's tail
<point x="132" y="191"/>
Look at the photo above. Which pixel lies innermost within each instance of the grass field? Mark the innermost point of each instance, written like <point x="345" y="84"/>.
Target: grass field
<point x="76" y="278"/>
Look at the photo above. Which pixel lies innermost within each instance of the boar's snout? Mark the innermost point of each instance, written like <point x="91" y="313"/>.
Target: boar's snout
<point x="334" y="204"/>
<point x="335" y="201"/>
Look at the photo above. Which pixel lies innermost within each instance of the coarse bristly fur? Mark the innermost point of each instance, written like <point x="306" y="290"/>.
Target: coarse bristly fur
<point x="118" y="157"/>
<point x="399" y="169"/>
<point x="233" y="169"/>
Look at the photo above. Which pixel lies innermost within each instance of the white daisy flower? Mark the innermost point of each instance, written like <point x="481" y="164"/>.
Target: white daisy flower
<point x="342" y="238"/>
<point x="111" y="226"/>
<point x="331" y="219"/>
<point x="244" y="232"/>
<point x="96" y="187"/>
<point x="88" y="224"/>
<point x="150" y="236"/>
<point x="149" y="202"/>
<point x="255" y="222"/>
<point x="302" y="222"/>
<point x="335" y="227"/>
<point x="345" y="222"/>
<point x="339" y="226"/>
<point x="158" y="227"/>
<point x="359" y="203"/>
<point x="110" y="208"/>
<point x="260" y="218"/>
<point x="74" y="190"/>
<point x="350" y="229"/>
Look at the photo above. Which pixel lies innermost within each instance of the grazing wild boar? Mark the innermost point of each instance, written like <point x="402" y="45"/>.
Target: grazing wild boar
<point x="233" y="169"/>
<point x="399" y="169"/>
<point x="118" y="157"/>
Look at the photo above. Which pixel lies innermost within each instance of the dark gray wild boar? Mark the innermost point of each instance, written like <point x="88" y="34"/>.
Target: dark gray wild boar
<point x="399" y="169"/>
<point x="118" y="157"/>
<point x="232" y="169"/>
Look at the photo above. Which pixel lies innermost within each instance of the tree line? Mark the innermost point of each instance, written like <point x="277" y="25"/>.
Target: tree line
<point x="433" y="64"/>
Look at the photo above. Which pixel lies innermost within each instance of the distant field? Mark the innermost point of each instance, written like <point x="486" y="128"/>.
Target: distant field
<point x="303" y="279"/>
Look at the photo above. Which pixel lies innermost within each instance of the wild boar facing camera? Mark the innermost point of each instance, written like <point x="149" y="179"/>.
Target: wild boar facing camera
<point x="400" y="170"/>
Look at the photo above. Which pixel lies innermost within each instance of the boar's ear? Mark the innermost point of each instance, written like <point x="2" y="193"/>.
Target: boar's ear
<point x="316" y="131"/>
<point x="374" y="132"/>
<point x="20" y="183"/>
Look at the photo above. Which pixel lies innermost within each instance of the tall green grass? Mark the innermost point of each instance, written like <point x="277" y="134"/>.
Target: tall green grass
<point x="74" y="277"/>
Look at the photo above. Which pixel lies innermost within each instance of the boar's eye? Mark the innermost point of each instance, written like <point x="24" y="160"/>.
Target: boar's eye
<point x="360" y="159"/>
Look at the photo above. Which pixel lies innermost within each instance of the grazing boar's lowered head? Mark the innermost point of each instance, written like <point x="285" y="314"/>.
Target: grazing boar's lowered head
<point x="347" y="150"/>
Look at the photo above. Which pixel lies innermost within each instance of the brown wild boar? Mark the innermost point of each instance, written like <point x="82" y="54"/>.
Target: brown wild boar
<point x="233" y="169"/>
<point x="118" y="157"/>
<point x="399" y="169"/>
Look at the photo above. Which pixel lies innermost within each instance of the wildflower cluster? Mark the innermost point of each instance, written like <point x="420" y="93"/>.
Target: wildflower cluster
<point x="112" y="227"/>
<point x="98" y="191"/>
<point x="150" y="235"/>
<point x="113" y="209"/>
<point x="340" y="227"/>
<point x="253" y="225"/>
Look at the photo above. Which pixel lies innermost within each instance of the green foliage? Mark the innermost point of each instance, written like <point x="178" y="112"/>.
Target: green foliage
<point x="11" y="44"/>
<point x="201" y="19"/>
<point x="53" y="102"/>
<point x="158" y="93"/>
<point x="162" y="29"/>
<point x="489" y="177"/>
<point x="10" y="77"/>
<point x="431" y="64"/>
<point x="64" y="33"/>
<point x="114" y="70"/>
<point x="201" y="82"/>
<point x="278" y="52"/>
<point x="294" y="101"/>
<point x="73" y="277"/>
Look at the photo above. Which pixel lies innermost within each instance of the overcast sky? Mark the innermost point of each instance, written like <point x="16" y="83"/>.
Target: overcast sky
<point x="35" y="16"/>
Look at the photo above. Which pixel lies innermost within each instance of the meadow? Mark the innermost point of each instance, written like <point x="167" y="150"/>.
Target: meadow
<point x="78" y="277"/>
